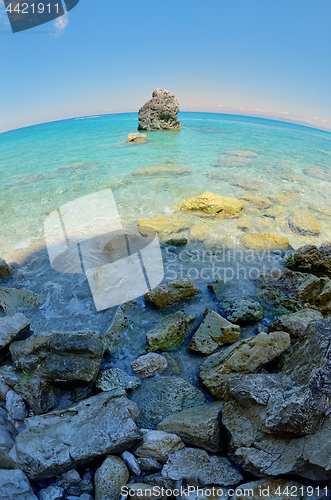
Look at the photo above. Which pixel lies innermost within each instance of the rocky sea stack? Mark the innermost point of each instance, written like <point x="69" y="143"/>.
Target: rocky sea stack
<point x="160" y="112"/>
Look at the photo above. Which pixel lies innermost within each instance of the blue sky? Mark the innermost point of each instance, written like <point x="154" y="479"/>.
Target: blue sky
<point x="259" y="57"/>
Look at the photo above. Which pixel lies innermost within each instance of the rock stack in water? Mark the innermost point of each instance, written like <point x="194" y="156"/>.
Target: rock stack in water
<point x="160" y="112"/>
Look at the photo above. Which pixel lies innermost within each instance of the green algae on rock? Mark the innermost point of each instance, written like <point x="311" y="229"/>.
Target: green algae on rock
<point x="169" y="333"/>
<point x="171" y="292"/>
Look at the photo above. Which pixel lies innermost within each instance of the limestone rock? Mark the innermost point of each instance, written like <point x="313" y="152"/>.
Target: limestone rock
<point x="160" y="112"/>
<point x="161" y="396"/>
<point x="119" y="322"/>
<point x="170" y="293"/>
<point x="4" y="270"/>
<point x="265" y="241"/>
<point x="169" y="333"/>
<point x="295" y="323"/>
<point x="54" y="443"/>
<point x="136" y="137"/>
<point x="114" y="378"/>
<point x="213" y="331"/>
<point x="164" y="224"/>
<point x="13" y="327"/>
<point x="60" y="356"/>
<point x="199" y="426"/>
<point x="311" y="259"/>
<point x="149" y="364"/>
<point x="246" y="356"/>
<point x="109" y="479"/>
<point x="243" y="310"/>
<point x="15" y="485"/>
<point x="158" y="444"/>
<point x="13" y="300"/>
<point x="7" y="438"/>
<point x="198" y="467"/>
<point x="305" y="222"/>
<point x="163" y="169"/>
<point x="214" y="204"/>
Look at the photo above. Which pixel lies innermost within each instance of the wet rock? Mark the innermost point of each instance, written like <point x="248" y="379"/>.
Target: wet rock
<point x="295" y="323"/>
<point x="149" y="364"/>
<point x="243" y="310"/>
<point x="7" y="438"/>
<point x="136" y="491"/>
<point x="52" y="444"/>
<point x="311" y="259"/>
<point x="164" y="224"/>
<point x="60" y="356"/>
<point x="51" y="493"/>
<point x="274" y="211"/>
<point x="15" y="485"/>
<point x="109" y="479"/>
<point x="265" y="241"/>
<point x="13" y="300"/>
<point x="160" y="112"/>
<point x="119" y="322"/>
<point x="165" y="169"/>
<point x="305" y="222"/>
<point x="213" y="331"/>
<point x="161" y="396"/>
<point x="4" y="270"/>
<point x="199" y="426"/>
<point x="248" y="184"/>
<point x="214" y="205"/>
<point x="169" y="333"/>
<point x="177" y="242"/>
<point x="199" y="232"/>
<point x="13" y="328"/>
<point x="136" y="137"/>
<point x="131" y="462"/>
<point x="149" y="464"/>
<point x="40" y="395"/>
<point x="114" y="378"/>
<point x="158" y="444"/>
<point x="198" y="467"/>
<point x="170" y="293"/>
<point x="246" y="356"/>
<point x="258" y="201"/>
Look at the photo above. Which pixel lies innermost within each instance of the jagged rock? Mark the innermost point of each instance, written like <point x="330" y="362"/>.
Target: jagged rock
<point x="295" y="323"/>
<point x="198" y="467"/>
<point x="305" y="222"/>
<point x="265" y="241"/>
<point x="213" y="331"/>
<point x="119" y="322"/>
<point x="17" y="409"/>
<point x="165" y="169"/>
<point x="149" y="464"/>
<point x="199" y="426"/>
<point x="114" y="378"/>
<point x="60" y="356"/>
<point x="131" y="463"/>
<point x="13" y="300"/>
<point x="4" y="270"/>
<point x="163" y="224"/>
<point x="246" y="356"/>
<point x="13" y="328"/>
<point x="109" y="479"/>
<point x="158" y="445"/>
<point x="169" y="332"/>
<point x="54" y="443"/>
<point x="243" y="310"/>
<point x="7" y="439"/>
<point x="137" y="491"/>
<point x="214" y="205"/>
<point x="136" y="137"/>
<point x="149" y="364"/>
<point x="311" y="259"/>
<point x="15" y="485"/>
<point x="161" y="396"/>
<point x="170" y="293"/>
<point x="160" y="112"/>
<point x="51" y="493"/>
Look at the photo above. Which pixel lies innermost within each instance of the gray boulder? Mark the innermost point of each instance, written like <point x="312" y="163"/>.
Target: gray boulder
<point x="170" y="293"/>
<point x="149" y="364"/>
<point x="295" y="323"/>
<point x="13" y="300"/>
<point x="51" y="493"/>
<point x="160" y="112"/>
<point x="158" y="445"/>
<point x="243" y="310"/>
<point x="63" y="439"/>
<point x="15" y="485"/>
<point x="109" y="479"/>
<point x="114" y="378"/>
<point x="311" y="259"/>
<point x="13" y="327"/>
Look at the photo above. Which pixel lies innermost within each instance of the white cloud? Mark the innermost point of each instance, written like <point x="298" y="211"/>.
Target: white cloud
<point x="60" y="24"/>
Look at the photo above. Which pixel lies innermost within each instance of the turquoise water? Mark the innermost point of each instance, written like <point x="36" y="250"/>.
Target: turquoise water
<point x="44" y="166"/>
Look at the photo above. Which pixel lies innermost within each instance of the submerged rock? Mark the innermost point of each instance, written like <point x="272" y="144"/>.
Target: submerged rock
<point x="158" y="444"/>
<point x="109" y="479"/>
<point x="13" y="300"/>
<point x="265" y="241"/>
<point x="305" y="222"/>
<point x="295" y="323"/>
<point x="136" y="137"/>
<point x="246" y="356"/>
<point x="119" y="322"/>
<point x="15" y="485"/>
<point x="311" y="259"/>
<point x="243" y="310"/>
<point x="114" y="378"/>
<point x="160" y="112"/>
<point x="170" y="293"/>
<point x="4" y="270"/>
<point x="213" y="331"/>
<point x="12" y="328"/>
<point x="164" y="224"/>
<point x="164" y="169"/>
<point x="169" y="333"/>
<point x="54" y="443"/>
<point x="258" y="201"/>
<point x="149" y="364"/>
<point x="199" y="426"/>
<point x="214" y="204"/>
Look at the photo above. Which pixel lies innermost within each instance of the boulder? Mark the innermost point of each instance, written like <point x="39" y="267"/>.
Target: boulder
<point x="199" y="426"/>
<point x="160" y="112"/>
<point x="60" y="356"/>
<point x="13" y="328"/>
<point x="163" y="224"/>
<point x="305" y="222"/>
<point x="158" y="444"/>
<point x="161" y="396"/>
<point x="119" y="322"/>
<point x="149" y="364"/>
<point x="242" y="310"/>
<point x="15" y="485"/>
<point x="295" y="323"/>
<point x="109" y="479"/>
<point x="13" y="300"/>
<point x="171" y="292"/>
<point x="169" y="333"/>
<point x="265" y="241"/>
<point x="246" y="356"/>
<point x="136" y="137"/>
<point x="114" y="378"/>
<point x="198" y="467"/>
<point x="214" y="205"/>
<point x="17" y="409"/>
<point x="213" y="332"/>
<point x="7" y="439"/>
<point x="4" y="270"/>
<point x="311" y="259"/>
<point x="54" y="443"/>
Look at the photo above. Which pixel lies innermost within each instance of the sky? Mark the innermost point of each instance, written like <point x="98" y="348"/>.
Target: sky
<point x="263" y="58"/>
